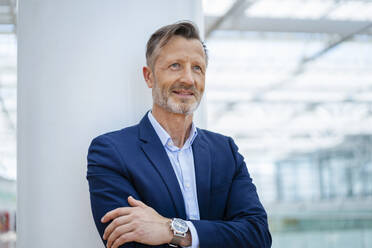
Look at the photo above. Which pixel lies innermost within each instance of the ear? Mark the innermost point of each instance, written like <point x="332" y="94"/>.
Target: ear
<point x="148" y="76"/>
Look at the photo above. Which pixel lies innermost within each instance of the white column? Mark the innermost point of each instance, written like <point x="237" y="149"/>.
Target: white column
<point x="79" y="75"/>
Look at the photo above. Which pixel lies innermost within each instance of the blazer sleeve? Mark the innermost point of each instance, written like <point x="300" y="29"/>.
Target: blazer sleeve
<point x="245" y="221"/>
<point x="109" y="185"/>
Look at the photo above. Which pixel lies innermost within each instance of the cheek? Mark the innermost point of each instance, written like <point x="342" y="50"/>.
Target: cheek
<point x="201" y="84"/>
<point x="166" y="79"/>
<point x="201" y="90"/>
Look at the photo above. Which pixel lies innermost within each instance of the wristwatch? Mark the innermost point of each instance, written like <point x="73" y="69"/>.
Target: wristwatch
<point x="179" y="228"/>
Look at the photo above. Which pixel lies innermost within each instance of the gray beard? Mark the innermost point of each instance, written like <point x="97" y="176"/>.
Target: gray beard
<point x="160" y="98"/>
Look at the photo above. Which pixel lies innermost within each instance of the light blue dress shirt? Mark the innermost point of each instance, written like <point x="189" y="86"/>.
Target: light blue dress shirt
<point x="182" y="161"/>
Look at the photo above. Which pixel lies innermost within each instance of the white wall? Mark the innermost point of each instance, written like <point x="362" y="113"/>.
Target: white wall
<point x="79" y="75"/>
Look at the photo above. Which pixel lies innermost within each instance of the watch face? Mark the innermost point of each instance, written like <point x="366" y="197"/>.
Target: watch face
<point x="179" y="225"/>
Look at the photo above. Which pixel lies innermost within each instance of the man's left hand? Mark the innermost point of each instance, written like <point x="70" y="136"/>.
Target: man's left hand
<point x="138" y="223"/>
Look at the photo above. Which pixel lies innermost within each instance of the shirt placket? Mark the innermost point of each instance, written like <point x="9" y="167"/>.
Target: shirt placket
<point x="185" y="167"/>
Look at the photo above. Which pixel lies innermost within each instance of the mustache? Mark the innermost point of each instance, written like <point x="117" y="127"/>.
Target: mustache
<point x="181" y="86"/>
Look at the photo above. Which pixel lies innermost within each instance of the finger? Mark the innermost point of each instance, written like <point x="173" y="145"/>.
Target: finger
<point x="125" y="238"/>
<point x="116" y="213"/>
<point x="135" y="203"/>
<point x="121" y="220"/>
<point x="118" y="232"/>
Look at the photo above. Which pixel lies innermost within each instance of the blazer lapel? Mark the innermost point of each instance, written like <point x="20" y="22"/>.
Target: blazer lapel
<point x="156" y="153"/>
<point x="202" y="163"/>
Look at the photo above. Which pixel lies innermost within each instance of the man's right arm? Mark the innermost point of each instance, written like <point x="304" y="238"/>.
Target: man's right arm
<point x="109" y="185"/>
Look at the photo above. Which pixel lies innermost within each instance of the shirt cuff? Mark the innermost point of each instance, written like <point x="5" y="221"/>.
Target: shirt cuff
<point x="194" y="235"/>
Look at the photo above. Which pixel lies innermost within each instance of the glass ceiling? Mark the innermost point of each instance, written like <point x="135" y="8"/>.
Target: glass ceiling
<point x="313" y="9"/>
<point x="254" y="96"/>
<point x="298" y="9"/>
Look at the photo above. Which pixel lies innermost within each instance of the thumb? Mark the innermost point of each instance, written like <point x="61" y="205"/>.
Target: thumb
<point x="135" y="203"/>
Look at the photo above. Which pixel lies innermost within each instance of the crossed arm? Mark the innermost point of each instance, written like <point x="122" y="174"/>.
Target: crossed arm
<point x="139" y="223"/>
<point x="244" y="223"/>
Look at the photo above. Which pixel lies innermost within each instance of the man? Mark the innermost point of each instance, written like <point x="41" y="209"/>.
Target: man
<point x="165" y="182"/>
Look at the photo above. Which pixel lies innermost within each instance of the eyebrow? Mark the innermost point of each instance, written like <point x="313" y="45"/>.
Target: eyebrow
<point x="199" y="61"/>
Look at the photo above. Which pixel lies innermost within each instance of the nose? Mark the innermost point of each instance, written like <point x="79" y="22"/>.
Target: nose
<point x="187" y="76"/>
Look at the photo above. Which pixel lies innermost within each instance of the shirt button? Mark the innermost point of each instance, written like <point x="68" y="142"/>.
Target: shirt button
<point x="187" y="185"/>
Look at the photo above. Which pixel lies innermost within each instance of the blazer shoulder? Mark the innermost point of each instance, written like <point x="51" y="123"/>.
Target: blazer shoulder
<point x="218" y="141"/>
<point x="118" y="136"/>
<point x="213" y="137"/>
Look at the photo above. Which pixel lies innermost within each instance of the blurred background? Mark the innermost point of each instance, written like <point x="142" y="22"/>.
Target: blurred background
<point x="8" y="119"/>
<point x="291" y="82"/>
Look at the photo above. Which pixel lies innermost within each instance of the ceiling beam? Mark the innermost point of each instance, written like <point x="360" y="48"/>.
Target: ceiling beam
<point x="288" y="25"/>
<point x="301" y="67"/>
<point x="236" y="9"/>
<point x="337" y="43"/>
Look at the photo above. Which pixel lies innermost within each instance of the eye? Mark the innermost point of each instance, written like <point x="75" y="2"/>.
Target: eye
<point x="175" y="66"/>
<point x="197" y="68"/>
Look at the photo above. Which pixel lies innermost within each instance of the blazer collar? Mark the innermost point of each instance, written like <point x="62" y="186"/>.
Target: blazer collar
<point x="156" y="153"/>
<point x="165" y="137"/>
<point x="146" y="131"/>
<point x="203" y="168"/>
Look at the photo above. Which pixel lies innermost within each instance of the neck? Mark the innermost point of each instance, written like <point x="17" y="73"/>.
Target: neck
<point x="178" y="126"/>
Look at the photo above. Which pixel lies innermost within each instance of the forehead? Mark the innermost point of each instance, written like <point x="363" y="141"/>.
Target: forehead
<point x="180" y="48"/>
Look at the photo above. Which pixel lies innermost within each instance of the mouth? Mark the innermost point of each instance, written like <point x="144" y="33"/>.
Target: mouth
<point x="183" y="93"/>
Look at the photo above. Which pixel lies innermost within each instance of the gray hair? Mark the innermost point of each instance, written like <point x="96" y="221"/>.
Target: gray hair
<point x="160" y="38"/>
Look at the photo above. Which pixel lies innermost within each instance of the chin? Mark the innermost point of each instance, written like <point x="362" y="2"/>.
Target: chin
<point x="182" y="108"/>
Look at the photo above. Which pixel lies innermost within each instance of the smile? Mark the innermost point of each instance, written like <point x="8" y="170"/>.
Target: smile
<point x="183" y="93"/>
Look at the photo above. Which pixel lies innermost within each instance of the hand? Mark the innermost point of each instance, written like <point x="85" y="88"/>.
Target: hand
<point x="139" y="223"/>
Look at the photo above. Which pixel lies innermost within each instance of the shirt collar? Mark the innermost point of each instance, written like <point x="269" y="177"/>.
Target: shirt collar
<point x="165" y="138"/>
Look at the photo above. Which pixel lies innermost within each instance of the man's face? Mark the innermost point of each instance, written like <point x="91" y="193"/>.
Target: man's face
<point x="179" y="75"/>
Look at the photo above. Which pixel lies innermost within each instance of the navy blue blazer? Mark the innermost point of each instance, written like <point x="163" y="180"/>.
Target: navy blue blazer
<point x="133" y="161"/>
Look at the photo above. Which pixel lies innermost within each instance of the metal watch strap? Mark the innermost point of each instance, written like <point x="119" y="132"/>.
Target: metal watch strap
<point x="176" y="240"/>
<point x="177" y="236"/>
